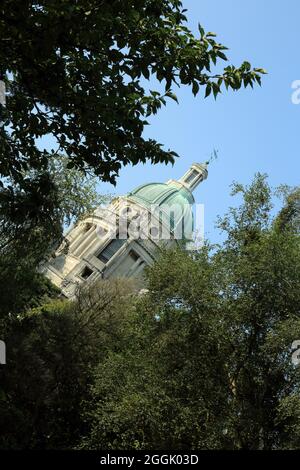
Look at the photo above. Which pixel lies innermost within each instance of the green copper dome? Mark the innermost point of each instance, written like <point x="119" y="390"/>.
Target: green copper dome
<point x="161" y="193"/>
<point x="172" y="200"/>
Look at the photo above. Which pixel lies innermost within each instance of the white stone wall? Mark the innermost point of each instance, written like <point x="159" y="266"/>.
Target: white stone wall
<point x="89" y="238"/>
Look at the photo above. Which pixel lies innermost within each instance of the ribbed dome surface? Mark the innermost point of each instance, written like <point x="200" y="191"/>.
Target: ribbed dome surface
<point x="174" y="201"/>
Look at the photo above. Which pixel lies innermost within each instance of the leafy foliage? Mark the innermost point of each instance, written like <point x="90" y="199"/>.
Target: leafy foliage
<point x="209" y="364"/>
<point x="202" y="360"/>
<point x="51" y="351"/>
<point x="31" y="225"/>
<point x="76" y="71"/>
<point x="167" y="389"/>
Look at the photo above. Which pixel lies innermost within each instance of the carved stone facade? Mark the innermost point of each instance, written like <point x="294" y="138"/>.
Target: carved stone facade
<point x="121" y="239"/>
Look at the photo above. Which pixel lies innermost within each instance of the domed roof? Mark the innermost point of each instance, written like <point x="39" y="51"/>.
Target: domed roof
<point x="161" y="193"/>
<point x="173" y="202"/>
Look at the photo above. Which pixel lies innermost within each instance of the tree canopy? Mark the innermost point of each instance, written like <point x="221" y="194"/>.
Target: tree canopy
<point x="202" y="360"/>
<point x="32" y="224"/>
<point x="78" y="71"/>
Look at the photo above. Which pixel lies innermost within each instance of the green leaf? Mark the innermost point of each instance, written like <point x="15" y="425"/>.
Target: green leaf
<point x="208" y="90"/>
<point x="195" y="88"/>
<point x="262" y="71"/>
<point x="172" y="95"/>
<point x="216" y="89"/>
<point x="222" y="55"/>
<point x="201" y="30"/>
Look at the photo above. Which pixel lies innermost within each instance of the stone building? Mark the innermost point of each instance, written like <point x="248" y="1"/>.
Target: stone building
<point x="119" y="240"/>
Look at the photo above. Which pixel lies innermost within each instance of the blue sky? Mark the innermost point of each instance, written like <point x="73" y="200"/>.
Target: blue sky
<point x="253" y="130"/>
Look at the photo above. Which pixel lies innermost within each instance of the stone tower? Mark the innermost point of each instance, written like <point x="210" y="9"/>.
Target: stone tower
<point x="119" y="240"/>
